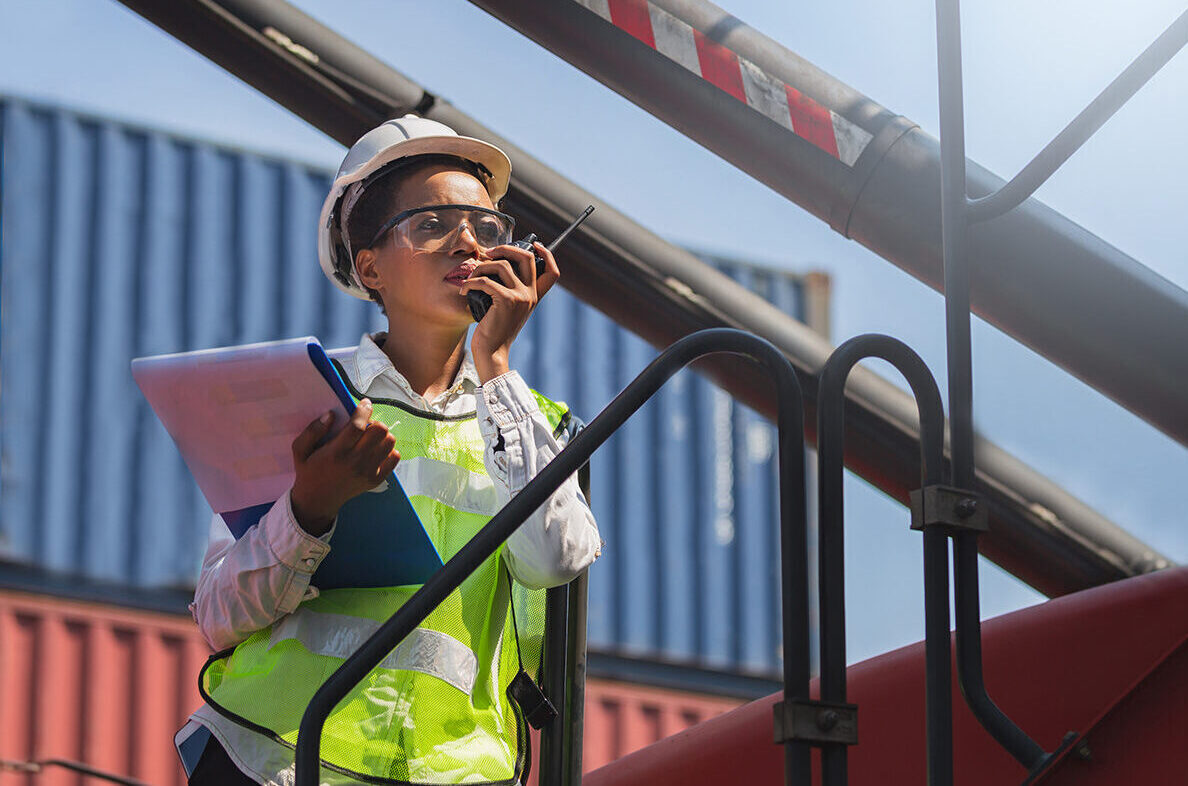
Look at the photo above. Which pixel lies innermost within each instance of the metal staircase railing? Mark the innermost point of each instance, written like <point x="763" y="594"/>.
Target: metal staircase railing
<point x="800" y="723"/>
<point x="563" y="673"/>
<point x="577" y="453"/>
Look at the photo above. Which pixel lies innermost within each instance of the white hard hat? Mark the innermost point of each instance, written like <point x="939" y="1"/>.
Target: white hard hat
<point x="393" y="140"/>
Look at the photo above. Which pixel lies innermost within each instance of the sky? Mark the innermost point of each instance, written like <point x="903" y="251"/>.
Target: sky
<point x="1029" y="68"/>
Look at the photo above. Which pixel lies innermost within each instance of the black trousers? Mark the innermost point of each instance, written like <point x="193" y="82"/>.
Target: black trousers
<point x="215" y="768"/>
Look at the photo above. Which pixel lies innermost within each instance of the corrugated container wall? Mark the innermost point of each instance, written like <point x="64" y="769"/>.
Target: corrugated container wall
<point x="117" y="242"/>
<point x="94" y="684"/>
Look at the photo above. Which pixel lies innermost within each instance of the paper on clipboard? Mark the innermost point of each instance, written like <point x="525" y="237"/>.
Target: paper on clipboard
<point x="236" y="411"/>
<point x="233" y="414"/>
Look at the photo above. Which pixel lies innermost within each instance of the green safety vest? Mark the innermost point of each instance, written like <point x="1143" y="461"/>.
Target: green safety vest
<point x="436" y="709"/>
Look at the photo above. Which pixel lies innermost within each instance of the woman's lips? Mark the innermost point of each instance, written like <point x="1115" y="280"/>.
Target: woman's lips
<point x="459" y="274"/>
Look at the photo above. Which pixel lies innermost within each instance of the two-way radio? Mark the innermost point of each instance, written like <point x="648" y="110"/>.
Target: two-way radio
<point x="479" y="302"/>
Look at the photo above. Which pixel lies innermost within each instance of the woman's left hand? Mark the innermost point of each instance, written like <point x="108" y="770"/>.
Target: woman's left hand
<point x="511" y="303"/>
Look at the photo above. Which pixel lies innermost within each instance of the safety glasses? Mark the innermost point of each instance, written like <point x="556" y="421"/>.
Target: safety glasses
<point x="435" y="227"/>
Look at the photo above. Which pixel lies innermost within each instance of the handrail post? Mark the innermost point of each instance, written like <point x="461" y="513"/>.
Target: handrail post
<point x="554" y="676"/>
<point x="955" y="220"/>
<point x="793" y="529"/>
<point x="573" y="714"/>
<point x="831" y="539"/>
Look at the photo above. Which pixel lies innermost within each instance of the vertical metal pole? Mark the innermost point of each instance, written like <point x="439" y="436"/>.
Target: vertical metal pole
<point x="938" y="675"/>
<point x="550" y="760"/>
<point x="575" y="693"/>
<point x="793" y="571"/>
<point x="954" y="225"/>
<point x="955" y="213"/>
<point x="575" y="664"/>
<point x="953" y="228"/>
<point x="831" y="588"/>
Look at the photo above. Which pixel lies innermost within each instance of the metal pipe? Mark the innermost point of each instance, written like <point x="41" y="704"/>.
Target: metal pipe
<point x="793" y="551"/>
<point x="575" y="693"/>
<point x="959" y="354"/>
<point x="1084" y="125"/>
<point x="938" y="671"/>
<point x="969" y="657"/>
<point x="573" y="715"/>
<point x="1041" y="279"/>
<point x="831" y="551"/>
<point x="793" y="532"/>
<point x="1041" y="534"/>
<point x="954" y="225"/>
<point x="554" y="679"/>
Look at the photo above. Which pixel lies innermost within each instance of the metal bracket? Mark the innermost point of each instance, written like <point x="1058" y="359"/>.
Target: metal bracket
<point x="948" y="507"/>
<point x="816" y="722"/>
<point x="1080" y="749"/>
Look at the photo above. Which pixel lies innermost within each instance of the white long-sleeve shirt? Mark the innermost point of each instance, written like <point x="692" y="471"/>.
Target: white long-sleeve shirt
<point x="248" y="584"/>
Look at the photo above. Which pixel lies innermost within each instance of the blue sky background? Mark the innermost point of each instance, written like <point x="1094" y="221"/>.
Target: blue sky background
<point x="1029" y="68"/>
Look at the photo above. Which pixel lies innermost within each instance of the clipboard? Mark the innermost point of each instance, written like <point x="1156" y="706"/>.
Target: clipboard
<point x="233" y="413"/>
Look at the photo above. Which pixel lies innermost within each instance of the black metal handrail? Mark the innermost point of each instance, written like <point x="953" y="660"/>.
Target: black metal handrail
<point x="831" y="441"/>
<point x="831" y="552"/>
<point x="563" y="675"/>
<point x="553" y="680"/>
<point x="793" y="530"/>
<point x="572" y="719"/>
<point x="955" y="221"/>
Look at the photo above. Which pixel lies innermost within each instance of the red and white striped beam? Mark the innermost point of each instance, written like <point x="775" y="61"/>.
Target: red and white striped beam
<point x="739" y="77"/>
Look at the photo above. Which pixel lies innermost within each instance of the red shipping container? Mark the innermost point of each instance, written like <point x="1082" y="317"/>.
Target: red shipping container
<point x="97" y="684"/>
<point x="621" y="718"/>
<point x="108" y="686"/>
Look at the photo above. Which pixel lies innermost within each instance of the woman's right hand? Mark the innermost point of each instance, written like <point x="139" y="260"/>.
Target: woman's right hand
<point x="356" y="460"/>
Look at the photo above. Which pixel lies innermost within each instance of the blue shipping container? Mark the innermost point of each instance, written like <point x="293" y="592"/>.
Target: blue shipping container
<point x="117" y="242"/>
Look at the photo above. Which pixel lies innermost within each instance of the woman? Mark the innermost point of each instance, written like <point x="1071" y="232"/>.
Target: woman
<point x="412" y="223"/>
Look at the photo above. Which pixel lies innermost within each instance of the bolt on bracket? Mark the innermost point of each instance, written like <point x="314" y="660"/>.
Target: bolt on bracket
<point x="949" y="507"/>
<point x="815" y="722"/>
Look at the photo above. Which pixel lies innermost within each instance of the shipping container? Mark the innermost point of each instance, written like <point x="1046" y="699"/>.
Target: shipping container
<point x="621" y="718"/>
<point x="102" y="685"/>
<point x="108" y="686"/>
<point x="118" y="241"/>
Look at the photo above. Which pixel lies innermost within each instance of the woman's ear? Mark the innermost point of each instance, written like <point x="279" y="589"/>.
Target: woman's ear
<point x="365" y="267"/>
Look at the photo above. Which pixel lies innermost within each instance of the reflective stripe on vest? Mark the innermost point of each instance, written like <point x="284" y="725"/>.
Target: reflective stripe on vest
<point x="448" y="484"/>
<point x="339" y="635"/>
